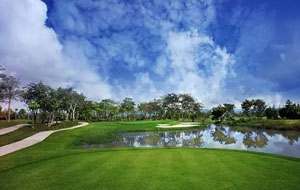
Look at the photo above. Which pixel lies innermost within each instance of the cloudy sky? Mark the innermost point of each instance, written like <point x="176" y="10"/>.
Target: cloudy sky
<point x="217" y="50"/>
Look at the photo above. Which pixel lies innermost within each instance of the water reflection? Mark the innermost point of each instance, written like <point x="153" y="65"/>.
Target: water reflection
<point x="223" y="135"/>
<point x="270" y="141"/>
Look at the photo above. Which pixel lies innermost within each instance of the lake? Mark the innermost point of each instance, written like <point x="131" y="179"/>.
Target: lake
<point x="239" y="138"/>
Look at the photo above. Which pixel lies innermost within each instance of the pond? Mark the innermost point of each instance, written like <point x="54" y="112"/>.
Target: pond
<point x="269" y="141"/>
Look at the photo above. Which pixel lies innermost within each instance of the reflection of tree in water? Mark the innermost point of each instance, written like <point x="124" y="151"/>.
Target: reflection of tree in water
<point x="192" y="139"/>
<point x="222" y="136"/>
<point x="176" y="138"/>
<point x="255" y="140"/>
<point x="292" y="136"/>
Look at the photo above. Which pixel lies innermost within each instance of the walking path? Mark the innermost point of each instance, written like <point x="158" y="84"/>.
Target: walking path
<point x="11" y="129"/>
<point x="34" y="139"/>
<point x="181" y="125"/>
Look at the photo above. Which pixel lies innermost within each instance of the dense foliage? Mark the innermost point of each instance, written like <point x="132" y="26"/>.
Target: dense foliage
<point x="48" y="105"/>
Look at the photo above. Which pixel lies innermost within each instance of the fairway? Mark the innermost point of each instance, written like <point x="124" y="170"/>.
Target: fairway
<point x="57" y="163"/>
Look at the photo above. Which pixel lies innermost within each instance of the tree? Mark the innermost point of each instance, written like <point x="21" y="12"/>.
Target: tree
<point x="74" y="102"/>
<point x="218" y="112"/>
<point x="290" y="111"/>
<point x="246" y="106"/>
<point x="271" y="113"/>
<point x="144" y="109"/>
<point x="128" y="106"/>
<point x="259" y="107"/>
<point x="196" y="109"/>
<point x="37" y="95"/>
<point x="107" y="107"/>
<point x="86" y="110"/>
<point x="33" y="107"/>
<point x="9" y="90"/>
<point x="254" y="107"/>
<point x="223" y="112"/>
<point x="22" y="113"/>
<point x="171" y="105"/>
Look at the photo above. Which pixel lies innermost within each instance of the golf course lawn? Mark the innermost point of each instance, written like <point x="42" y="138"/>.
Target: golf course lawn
<point x="57" y="163"/>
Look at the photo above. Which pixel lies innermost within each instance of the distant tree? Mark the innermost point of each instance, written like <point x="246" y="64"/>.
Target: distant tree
<point x="196" y="110"/>
<point x="290" y="111"/>
<point x="74" y="101"/>
<point x="33" y="107"/>
<point x="128" y="106"/>
<point x="224" y="112"/>
<point x="229" y="111"/>
<point x="218" y="112"/>
<point x="272" y="113"/>
<point x="171" y="105"/>
<point x="246" y="106"/>
<point x="259" y="107"/>
<point x="9" y="91"/>
<point x="86" y="110"/>
<point x="36" y="96"/>
<point x="22" y="113"/>
<point x="255" y="107"/>
<point x="144" y="109"/>
<point x="108" y="108"/>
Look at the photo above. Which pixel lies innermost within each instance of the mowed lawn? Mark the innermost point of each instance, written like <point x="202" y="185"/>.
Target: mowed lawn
<point x="57" y="163"/>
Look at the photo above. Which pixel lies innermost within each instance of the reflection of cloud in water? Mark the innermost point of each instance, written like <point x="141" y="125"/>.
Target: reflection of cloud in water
<point x="270" y="141"/>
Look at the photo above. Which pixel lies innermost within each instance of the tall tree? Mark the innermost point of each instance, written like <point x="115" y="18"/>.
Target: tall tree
<point x="128" y="106"/>
<point x="75" y="99"/>
<point x="37" y="95"/>
<point x="9" y="91"/>
<point x="246" y="106"/>
<point x="259" y="107"/>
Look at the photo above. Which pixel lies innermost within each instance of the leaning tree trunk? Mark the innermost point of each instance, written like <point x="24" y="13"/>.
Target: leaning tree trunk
<point x="8" y="114"/>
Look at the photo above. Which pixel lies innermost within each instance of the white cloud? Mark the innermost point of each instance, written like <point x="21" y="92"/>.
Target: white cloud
<point x="199" y="66"/>
<point x="31" y="51"/>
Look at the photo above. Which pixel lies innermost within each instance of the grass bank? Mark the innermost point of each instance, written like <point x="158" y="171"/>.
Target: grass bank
<point x="281" y="124"/>
<point x="4" y="123"/>
<point x="57" y="163"/>
<point x="27" y="131"/>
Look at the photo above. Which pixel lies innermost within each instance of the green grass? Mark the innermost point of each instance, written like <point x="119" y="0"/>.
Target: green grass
<point x="57" y="163"/>
<point x="4" y="123"/>
<point x="27" y="131"/>
<point x="281" y="124"/>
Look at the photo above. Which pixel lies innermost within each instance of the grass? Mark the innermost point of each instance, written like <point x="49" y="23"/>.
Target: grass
<point x="281" y="124"/>
<point x="4" y="123"/>
<point x="57" y="163"/>
<point x="27" y="131"/>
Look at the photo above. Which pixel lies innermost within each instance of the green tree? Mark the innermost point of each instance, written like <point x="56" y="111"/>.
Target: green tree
<point x="22" y="113"/>
<point x="259" y="107"/>
<point x="9" y="91"/>
<point x="128" y="106"/>
<point x="224" y="112"/>
<point x="246" y="107"/>
<point x="272" y="113"/>
<point x="33" y="107"/>
<point x="218" y="112"/>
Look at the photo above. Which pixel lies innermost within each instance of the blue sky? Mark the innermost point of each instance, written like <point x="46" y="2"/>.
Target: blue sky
<point x="217" y="50"/>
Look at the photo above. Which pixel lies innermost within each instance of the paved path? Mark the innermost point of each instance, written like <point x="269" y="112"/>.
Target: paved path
<point x="182" y="125"/>
<point x="11" y="129"/>
<point x="34" y="139"/>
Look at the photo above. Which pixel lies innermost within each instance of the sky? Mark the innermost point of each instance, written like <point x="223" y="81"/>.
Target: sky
<point x="216" y="50"/>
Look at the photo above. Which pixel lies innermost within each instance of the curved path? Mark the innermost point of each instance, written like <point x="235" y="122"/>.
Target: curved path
<point x="34" y="139"/>
<point x="181" y="125"/>
<point x="12" y="128"/>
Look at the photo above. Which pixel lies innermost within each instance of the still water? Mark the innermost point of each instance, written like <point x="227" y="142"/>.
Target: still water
<point x="269" y="141"/>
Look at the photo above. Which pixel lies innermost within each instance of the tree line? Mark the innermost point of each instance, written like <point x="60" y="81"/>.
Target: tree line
<point x="47" y="105"/>
<point x="256" y="108"/>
